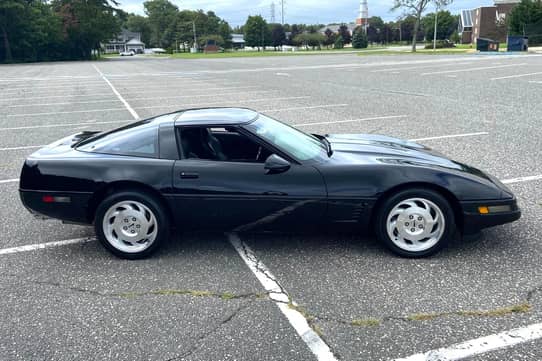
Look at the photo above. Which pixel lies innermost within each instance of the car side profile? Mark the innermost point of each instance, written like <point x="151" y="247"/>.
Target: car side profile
<point x="236" y="169"/>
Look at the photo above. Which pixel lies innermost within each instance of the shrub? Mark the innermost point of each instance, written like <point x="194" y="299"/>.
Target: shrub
<point x="339" y="43"/>
<point x="359" y="40"/>
<point x="441" y="44"/>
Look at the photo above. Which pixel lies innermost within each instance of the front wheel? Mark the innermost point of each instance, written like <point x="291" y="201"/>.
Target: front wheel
<point x="415" y="222"/>
<point x="131" y="224"/>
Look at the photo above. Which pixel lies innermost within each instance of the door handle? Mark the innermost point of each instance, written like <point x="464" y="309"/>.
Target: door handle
<point x="272" y="193"/>
<point x="189" y="175"/>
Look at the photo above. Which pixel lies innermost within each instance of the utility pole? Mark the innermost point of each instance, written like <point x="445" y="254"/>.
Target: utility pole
<point x="195" y="38"/>
<point x="282" y="11"/>
<point x="272" y="13"/>
<point x="263" y="49"/>
<point x="435" y="32"/>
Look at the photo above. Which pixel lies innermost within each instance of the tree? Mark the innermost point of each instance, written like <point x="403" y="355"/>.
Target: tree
<point x="139" y="24"/>
<point x="415" y="8"/>
<point x="224" y="30"/>
<point x="446" y="25"/>
<point x="345" y="34"/>
<point x="217" y="39"/>
<point x="329" y="38"/>
<point x="339" y="43"/>
<point x="294" y="31"/>
<point x="161" y="18"/>
<point x="359" y="40"/>
<point x="312" y="40"/>
<point x="11" y="12"/>
<point x="86" y="24"/>
<point x="278" y="35"/>
<point x="256" y="32"/>
<point x="523" y="16"/>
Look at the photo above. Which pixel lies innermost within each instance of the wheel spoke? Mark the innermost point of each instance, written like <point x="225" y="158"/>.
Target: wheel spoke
<point x="415" y="224"/>
<point x="126" y="226"/>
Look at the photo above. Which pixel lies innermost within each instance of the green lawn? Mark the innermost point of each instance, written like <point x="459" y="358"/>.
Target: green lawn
<point x="248" y="54"/>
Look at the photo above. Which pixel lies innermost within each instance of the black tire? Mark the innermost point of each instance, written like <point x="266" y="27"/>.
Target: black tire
<point x="392" y="201"/>
<point x="162" y="223"/>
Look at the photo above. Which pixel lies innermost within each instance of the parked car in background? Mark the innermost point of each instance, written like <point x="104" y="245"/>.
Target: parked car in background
<point x="127" y="53"/>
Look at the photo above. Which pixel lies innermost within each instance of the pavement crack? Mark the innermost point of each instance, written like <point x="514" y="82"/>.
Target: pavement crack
<point x="313" y="318"/>
<point x="159" y="292"/>
<point x="202" y="337"/>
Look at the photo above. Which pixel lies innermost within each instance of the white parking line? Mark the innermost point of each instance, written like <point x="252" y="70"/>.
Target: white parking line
<point x="522" y="179"/>
<point x="133" y="112"/>
<point x="302" y="108"/>
<point x="248" y="92"/>
<point x="283" y="301"/>
<point x="450" y="136"/>
<point x="4" y="181"/>
<point x="62" y="103"/>
<point x="141" y="98"/>
<point x="33" y="247"/>
<point x="64" y="125"/>
<point x="165" y="90"/>
<point x="516" y="76"/>
<point x="21" y="148"/>
<point x="420" y="67"/>
<point x="473" y="69"/>
<point x="222" y="102"/>
<point x="350" y="120"/>
<point x="68" y="112"/>
<point x="44" y="88"/>
<point x="481" y="345"/>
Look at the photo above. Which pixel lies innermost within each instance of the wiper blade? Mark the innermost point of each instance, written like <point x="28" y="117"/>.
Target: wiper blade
<point x="328" y="146"/>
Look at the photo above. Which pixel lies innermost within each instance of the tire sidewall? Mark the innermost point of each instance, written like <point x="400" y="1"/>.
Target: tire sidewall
<point x="391" y="202"/>
<point x="149" y="201"/>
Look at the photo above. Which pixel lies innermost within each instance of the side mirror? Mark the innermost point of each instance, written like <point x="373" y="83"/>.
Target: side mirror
<point x="275" y="164"/>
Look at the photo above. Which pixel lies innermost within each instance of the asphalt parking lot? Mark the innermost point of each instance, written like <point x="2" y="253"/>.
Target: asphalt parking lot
<point x="197" y="299"/>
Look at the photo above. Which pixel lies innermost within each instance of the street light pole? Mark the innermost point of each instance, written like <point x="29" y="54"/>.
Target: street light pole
<point x="194" y="30"/>
<point x="435" y="32"/>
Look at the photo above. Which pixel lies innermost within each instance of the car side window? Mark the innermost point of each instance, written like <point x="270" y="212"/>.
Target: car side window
<point x="139" y="141"/>
<point x="220" y="144"/>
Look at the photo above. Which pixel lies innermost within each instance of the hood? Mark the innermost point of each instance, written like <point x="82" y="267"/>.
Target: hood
<point x="373" y="144"/>
<point x="353" y="148"/>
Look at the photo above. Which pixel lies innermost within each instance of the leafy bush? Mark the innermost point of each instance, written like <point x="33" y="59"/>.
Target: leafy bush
<point x="339" y="43"/>
<point x="359" y="40"/>
<point x="441" y="44"/>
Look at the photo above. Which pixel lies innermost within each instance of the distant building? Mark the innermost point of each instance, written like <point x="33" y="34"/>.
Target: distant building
<point x="238" y="41"/>
<point x="486" y="22"/>
<point x="335" y="28"/>
<point x="125" y="41"/>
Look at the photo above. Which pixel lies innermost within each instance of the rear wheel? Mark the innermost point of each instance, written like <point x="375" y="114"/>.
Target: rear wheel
<point x="415" y="222"/>
<point x="131" y="224"/>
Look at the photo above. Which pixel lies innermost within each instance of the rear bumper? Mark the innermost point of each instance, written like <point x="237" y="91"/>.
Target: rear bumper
<point x="75" y="210"/>
<point x="473" y="221"/>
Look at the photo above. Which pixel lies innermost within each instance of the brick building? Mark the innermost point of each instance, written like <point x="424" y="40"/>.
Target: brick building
<point x="485" y="22"/>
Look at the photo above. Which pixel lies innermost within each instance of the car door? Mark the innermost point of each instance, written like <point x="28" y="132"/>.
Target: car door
<point x="238" y="195"/>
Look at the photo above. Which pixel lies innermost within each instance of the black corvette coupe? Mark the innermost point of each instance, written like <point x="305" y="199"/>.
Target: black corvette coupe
<point x="236" y="169"/>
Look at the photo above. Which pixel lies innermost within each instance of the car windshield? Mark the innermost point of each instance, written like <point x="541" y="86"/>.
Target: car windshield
<point x="300" y="145"/>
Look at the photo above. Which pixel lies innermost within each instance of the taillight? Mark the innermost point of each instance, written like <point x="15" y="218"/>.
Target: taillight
<point x="54" y="199"/>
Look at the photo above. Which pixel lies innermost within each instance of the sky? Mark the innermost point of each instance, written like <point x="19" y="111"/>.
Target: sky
<point x="235" y="12"/>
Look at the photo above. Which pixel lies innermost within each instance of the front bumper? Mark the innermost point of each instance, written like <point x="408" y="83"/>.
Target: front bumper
<point x="74" y="211"/>
<point x="473" y="221"/>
